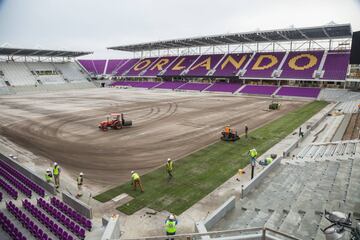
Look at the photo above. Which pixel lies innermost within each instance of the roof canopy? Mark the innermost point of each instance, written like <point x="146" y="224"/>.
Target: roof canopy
<point x="40" y="52"/>
<point x="333" y="31"/>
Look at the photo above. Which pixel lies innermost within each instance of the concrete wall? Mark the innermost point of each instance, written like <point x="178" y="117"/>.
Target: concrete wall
<point x="79" y="206"/>
<point x="258" y="178"/>
<point x="29" y="174"/>
<point x="112" y="230"/>
<point x="219" y="213"/>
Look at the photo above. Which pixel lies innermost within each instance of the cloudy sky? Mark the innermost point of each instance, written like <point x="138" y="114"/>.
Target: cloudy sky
<point x="96" y="24"/>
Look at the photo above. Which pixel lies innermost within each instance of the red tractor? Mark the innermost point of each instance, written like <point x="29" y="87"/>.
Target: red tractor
<point x="114" y="121"/>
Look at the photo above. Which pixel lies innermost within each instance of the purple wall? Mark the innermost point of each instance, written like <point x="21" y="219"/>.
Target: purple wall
<point x="258" y="89"/>
<point x="202" y="71"/>
<point x="229" y="69"/>
<point x="289" y="72"/>
<point x="299" y="92"/>
<point x="194" y="86"/>
<point x="336" y="65"/>
<point x="266" y="73"/>
<point x="170" y="85"/>
<point x="224" y="87"/>
<point x="188" y="60"/>
<point x="153" y="71"/>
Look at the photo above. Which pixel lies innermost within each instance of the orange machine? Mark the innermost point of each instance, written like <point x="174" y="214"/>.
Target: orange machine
<point x="114" y="121"/>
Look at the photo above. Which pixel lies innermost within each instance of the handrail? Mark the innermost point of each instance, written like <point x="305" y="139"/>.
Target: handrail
<point x="263" y="233"/>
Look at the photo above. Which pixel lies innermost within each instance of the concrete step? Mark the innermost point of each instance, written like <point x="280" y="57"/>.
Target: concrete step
<point x="309" y="225"/>
<point x="292" y="222"/>
<point x="276" y="219"/>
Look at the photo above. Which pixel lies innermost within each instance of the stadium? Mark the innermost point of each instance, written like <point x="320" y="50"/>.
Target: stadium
<point x="246" y="135"/>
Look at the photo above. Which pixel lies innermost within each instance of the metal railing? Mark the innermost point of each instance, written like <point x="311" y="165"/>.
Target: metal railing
<point x="244" y="234"/>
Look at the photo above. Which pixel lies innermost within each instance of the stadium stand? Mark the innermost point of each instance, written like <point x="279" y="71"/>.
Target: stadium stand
<point x="94" y="66"/>
<point x="114" y="64"/>
<point x="160" y="65"/>
<point x="231" y="64"/>
<point x="140" y="67"/>
<point x="122" y="70"/>
<point x="263" y="64"/>
<point x="203" y="65"/>
<point x="336" y="65"/>
<point x="180" y="65"/>
<point x="301" y="65"/>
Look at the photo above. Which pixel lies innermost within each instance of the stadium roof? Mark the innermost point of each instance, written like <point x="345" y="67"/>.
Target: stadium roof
<point x="40" y="52"/>
<point x="331" y="31"/>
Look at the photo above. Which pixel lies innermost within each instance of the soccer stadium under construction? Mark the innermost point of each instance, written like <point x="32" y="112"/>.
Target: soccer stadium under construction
<point x="107" y="118"/>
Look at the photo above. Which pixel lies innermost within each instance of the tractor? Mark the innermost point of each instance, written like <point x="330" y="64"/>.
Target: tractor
<point x="115" y="121"/>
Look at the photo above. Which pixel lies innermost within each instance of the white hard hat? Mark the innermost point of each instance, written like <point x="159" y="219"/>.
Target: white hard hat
<point x="171" y="217"/>
<point x="48" y="170"/>
<point x="132" y="172"/>
<point x="81" y="174"/>
<point x="169" y="159"/>
<point x="55" y="163"/>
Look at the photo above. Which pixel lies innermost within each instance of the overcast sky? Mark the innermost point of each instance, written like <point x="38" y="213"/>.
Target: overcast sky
<point x="96" y="24"/>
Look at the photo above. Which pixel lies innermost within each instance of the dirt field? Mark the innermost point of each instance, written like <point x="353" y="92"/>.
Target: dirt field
<point x="63" y="127"/>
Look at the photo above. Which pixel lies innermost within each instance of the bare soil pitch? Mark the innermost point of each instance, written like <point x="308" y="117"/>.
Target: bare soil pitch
<point x="63" y="127"/>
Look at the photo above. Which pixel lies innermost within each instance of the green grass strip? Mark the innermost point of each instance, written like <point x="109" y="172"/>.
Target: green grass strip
<point x="200" y="173"/>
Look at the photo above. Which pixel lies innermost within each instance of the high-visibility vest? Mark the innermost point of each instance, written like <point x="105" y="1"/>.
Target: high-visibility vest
<point x="79" y="180"/>
<point x="48" y="177"/>
<point x="169" y="166"/>
<point x="170" y="226"/>
<point x="253" y="153"/>
<point x="135" y="176"/>
<point x="56" y="170"/>
<point x="269" y="160"/>
<point x="227" y="130"/>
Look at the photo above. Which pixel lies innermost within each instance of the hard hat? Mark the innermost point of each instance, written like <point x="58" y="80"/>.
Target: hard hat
<point x="48" y="170"/>
<point x="171" y="217"/>
<point x="132" y="172"/>
<point x="169" y="159"/>
<point x="81" y="174"/>
<point x="55" y="163"/>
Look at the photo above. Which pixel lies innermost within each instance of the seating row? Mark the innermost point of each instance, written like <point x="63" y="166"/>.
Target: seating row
<point x="9" y="189"/>
<point x="57" y="230"/>
<point x="15" y="183"/>
<point x="83" y="221"/>
<point x="10" y="228"/>
<point x="61" y="218"/>
<point x="26" y="222"/>
<point x="30" y="184"/>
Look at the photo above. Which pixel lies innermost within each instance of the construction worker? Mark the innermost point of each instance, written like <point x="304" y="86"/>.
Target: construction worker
<point x="170" y="225"/>
<point x="253" y="154"/>
<point x="56" y="174"/>
<point x="80" y="180"/>
<point x="135" y="180"/>
<point x="48" y="175"/>
<point x="267" y="161"/>
<point x="169" y="168"/>
<point x="246" y="130"/>
<point x="227" y="129"/>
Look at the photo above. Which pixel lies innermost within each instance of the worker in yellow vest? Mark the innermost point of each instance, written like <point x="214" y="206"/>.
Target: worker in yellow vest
<point x="170" y="225"/>
<point x="253" y="154"/>
<point x="169" y="168"/>
<point x="80" y="181"/>
<point x="48" y="175"/>
<point x="56" y="174"/>
<point x="135" y="181"/>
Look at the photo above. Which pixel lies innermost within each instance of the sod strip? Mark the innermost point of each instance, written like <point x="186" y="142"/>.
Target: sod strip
<point x="200" y="173"/>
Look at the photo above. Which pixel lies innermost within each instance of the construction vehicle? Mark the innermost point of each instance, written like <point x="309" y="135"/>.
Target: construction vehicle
<point x="274" y="105"/>
<point x="114" y="121"/>
<point x="229" y="135"/>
